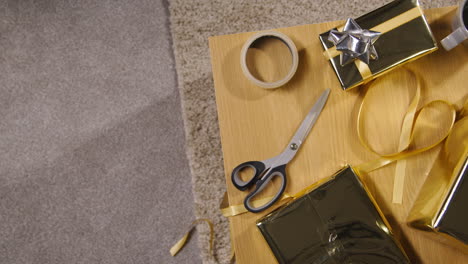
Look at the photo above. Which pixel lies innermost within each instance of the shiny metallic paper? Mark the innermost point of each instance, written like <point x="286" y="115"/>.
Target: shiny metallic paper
<point x="441" y="207"/>
<point x="335" y="221"/>
<point x="402" y="43"/>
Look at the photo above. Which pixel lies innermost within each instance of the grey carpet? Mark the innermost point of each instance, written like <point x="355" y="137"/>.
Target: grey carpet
<point x="192" y="22"/>
<point x="92" y="158"/>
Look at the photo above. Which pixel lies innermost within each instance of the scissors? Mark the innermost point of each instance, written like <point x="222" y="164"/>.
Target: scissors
<point x="265" y="171"/>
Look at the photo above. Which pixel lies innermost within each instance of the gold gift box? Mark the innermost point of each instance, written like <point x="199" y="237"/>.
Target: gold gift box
<point x="335" y="220"/>
<point x="441" y="206"/>
<point x="406" y="36"/>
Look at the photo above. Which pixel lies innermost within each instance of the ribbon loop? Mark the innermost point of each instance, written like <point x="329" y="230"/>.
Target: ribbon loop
<point x="421" y="130"/>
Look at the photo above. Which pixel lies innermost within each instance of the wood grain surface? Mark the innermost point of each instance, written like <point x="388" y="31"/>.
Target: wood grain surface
<point x="256" y="124"/>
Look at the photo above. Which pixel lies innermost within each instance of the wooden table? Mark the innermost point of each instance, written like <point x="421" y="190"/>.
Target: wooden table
<point x="256" y="124"/>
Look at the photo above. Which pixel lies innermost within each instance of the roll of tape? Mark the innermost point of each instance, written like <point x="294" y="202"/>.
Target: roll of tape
<point x="292" y="48"/>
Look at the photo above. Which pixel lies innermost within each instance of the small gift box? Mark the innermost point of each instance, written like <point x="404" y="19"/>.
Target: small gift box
<point x="377" y="42"/>
<point x="441" y="206"/>
<point x="333" y="221"/>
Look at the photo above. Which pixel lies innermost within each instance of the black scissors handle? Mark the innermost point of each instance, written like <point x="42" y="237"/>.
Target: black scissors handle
<point x="260" y="181"/>
<point x="257" y="166"/>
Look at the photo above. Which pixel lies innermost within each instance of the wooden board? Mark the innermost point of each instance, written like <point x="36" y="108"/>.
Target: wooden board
<point x="256" y="124"/>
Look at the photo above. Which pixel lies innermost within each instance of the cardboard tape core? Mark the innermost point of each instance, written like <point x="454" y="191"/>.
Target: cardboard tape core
<point x="291" y="47"/>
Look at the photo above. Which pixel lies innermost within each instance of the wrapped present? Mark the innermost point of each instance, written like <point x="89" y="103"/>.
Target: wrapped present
<point x="377" y="42"/>
<point x="333" y="221"/>
<point x="441" y="206"/>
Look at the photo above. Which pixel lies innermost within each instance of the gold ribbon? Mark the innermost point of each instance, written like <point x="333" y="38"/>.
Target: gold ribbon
<point x="383" y="28"/>
<point x="238" y="209"/>
<point x="180" y="244"/>
<point x="456" y="154"/>
<point x="429" y="207"/>
<point x="456" y="146"/>
<point x="363" y="69"/>
<point x="415" y="121"/>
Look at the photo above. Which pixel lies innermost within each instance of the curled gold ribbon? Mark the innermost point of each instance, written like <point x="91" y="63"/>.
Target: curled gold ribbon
<point x="443" y="179"/>
<point x="456" y="145"/>
<point x="415" y="121"/>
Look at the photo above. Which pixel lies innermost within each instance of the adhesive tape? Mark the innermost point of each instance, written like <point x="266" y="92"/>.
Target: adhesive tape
<point x="292" y="48"/>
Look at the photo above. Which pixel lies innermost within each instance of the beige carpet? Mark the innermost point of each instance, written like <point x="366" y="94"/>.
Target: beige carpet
<point x="192" y="22"/>
<point x="92" y="150"/>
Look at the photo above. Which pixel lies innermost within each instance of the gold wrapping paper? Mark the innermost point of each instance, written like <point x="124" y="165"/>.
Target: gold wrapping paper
<point x="441" y="206"/>
<point x="334" y="221"/>
<point x="406" y="36"/>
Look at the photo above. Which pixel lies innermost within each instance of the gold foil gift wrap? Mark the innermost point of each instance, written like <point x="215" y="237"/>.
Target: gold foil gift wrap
<point x="334" y="221"/>
<point x="442" y="204"/>
<point x="405" y="36"/>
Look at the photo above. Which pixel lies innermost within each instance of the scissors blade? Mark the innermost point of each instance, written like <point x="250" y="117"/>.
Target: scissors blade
<point x="310" y="119"/>
<point x="303" y="130"/>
